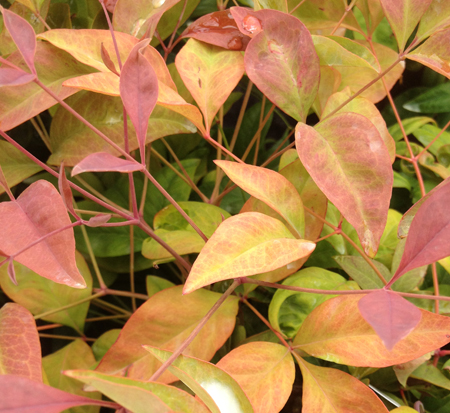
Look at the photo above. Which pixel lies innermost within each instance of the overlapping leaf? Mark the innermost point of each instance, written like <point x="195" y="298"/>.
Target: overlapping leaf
<point x="210" y="73"/>
<point x="347" y="158"/>
<point x="329" y="390"/>
<point x="245" y="244"/>
<point x="38" y="211"/>
<point x="436" y="18"/>
<point x="265" y="371"/>
<point x="159" y="323"/>
<point x="281" y="60"/>
<point x="39" y="295"/>
<point x="270" y="187"/>
<point x="216" y="388"/>
<point x="20" y="349"/>
<point x="104" y="162"/>
<point x="336" y="331"/>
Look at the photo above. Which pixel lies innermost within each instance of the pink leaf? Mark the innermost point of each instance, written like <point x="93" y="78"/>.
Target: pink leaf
<point x="22" y="395"/>
<point x="391" y="316"/>
<point x="139" y="90"/>
<point x="429" y="234"/>
<point x="105" y="162"/>
<point x="107" y="60"/>
<point x="37" y="212"/>
<point x="23" y="36"/>
<point x="14" y="77"/>
<point x="5" y="185"/>
<point x="65" y="191"/>
<point x="98" y="220"/>
<point x="12" y="271"/>
<point x="218" y="28"/>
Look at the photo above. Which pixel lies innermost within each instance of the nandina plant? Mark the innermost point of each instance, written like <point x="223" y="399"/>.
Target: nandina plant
<point x="227" y="171"/>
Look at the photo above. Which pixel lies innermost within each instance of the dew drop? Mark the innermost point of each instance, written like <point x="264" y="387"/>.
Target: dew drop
<point x="252" y="24"/>
<point x="235" y="43"/>
<point x="158" y="3"/>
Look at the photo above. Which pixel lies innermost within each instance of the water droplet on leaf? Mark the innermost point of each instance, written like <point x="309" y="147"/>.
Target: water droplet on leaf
<point x="158" y="3"/>
<point x="235" y="43"/>
<point x="252" y="24"/>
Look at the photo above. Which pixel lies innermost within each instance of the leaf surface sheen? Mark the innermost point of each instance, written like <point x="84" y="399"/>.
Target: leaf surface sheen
<point x="270" y="187"/>
<point x="20" y="348"/>
<point x="215" y="387"/>
<point x="403" y="16"/>
<point x="336" y="331"/>
<point x="243" y="245"/>
<point x="40" y="210"/>
<point x="348" y="160"/>
<point x="265" y="371"/>
<point x="210" y="73"/>
<point x="158" y="323"/>
<point x="390" y="315"/>
<point x="280" y="59"/>
<point x="105" y="162"/>
<point x="328" y="390"/>
<point x="429" y="234"/>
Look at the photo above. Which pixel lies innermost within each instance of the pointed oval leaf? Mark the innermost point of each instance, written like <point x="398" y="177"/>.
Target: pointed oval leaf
<point x="159" y="323"/>
<point x="329" y="390"/>
<point x="434" y="53"/>
<point x="66" y="191"/>
<point x="76" y="355"/>
<point x="403" y="16"/>
<point x="429" y="236"/>
<point x="217" y="389"/>
<point x="265" y="371"/>
<point x="336" y="331"/>
<point x="210" y="73"/>
<point x="20" y="394"/>
<point x="20" y="348"/>
<point x="23" y="36"/>
<point x="105" y="162"/>
<point x="39" y="295"/>
<point x="139" y="90"/>
<point x="437" y="17"/>
<point x="39" y="210"/>
<point x="270" y="187"/>
<point x="217" y="28"/>
<point x="107" y="60"/>
<point x="243" y="245"/>
<point x="390" y="315"/>
<point x="348" y="160"/>
<point x="14" y="77"/>
<point x="139" y="396"/>
<point x="282" y="62"/>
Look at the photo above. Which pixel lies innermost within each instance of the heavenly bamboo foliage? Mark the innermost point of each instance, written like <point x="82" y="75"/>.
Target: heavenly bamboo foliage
<point x="348" y="160"/>
<point x="105" y="162"/>
<point x="38" y="211"/>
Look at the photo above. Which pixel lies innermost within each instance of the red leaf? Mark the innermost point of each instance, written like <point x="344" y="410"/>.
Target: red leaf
<point x="22" y="395"/>
<point x="107" y="60"/>
<point x="20" y="348"/>
<point x="218" y="28"/>
<point x="65" y="191"/>
<point x="14" y="77"/>
<point x="105" y="162"/>
<point x="38" y="211"/>
<point x="139" y="90"/>
<point x="391" y="316"/>
<point x="23" y="36"/>
<point x="429" y="234"/>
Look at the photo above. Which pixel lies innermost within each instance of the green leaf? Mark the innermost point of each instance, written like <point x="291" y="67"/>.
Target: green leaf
<point x="288" y="309"/>
<point x="360" y="271"/>
<point x="104" y="343"/>
<point x="435" y="100"/>
<point x="431" y="374"/>
<point x="427" y="133"/>
<point x="216" y="388"/>
<point x="410" y="125"/>
<point x="156" y="284"/>
<point x="436" y="18"/>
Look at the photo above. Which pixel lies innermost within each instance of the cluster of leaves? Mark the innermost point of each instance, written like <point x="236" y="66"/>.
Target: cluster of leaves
<point x="177" y="120"/>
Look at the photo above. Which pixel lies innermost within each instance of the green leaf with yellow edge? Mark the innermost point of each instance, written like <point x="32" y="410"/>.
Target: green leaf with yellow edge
<point x="434" y="53"/>
<point x="265" y="371"/>
<point x="328" y="390"/>
<point x="431" y="374"/>
<point x="270" y="187"/>
<point x="288" y="309"/>
<point x="85" y="45"/>
<point x="16" y="166"/>
<point x="72" y="141"/>
<point x="159" y="323"/>
<point x="403" y="16"/>
<point x="216" y="388"/>
<point x="140" y="396"/>
<point x="40" y="295"/>
<point x="336" y="331"/>
<point x="243" y="245"/>
<point x="437" y="17"/>
<point x="364" y="107"/>
<point x="210" y="73"/>
<point x="20" y="349"/>
<point x="76" y="355"/>
<point x="53" y="66"/>
<point x="349" y="162"/>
